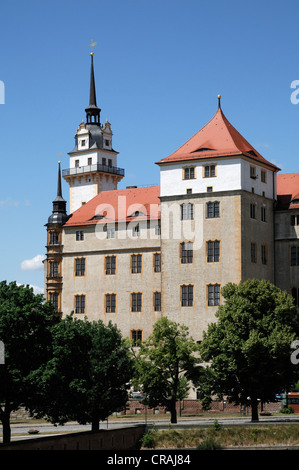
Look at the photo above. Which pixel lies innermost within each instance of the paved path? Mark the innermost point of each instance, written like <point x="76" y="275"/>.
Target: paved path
<point x="46" y="428"/>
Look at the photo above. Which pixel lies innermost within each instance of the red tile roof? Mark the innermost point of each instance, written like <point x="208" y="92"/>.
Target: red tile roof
<point x="287" y="191"/>
<point x="118" y="206"/>
<point x="217" y="138"/>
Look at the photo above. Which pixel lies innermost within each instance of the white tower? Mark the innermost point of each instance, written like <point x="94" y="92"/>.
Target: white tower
<point x="93" y="162"/>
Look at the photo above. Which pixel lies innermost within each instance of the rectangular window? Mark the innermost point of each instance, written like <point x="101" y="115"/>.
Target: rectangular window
<point x="263" y="176"/>
<point x="157" y="230"/>
<point x="53" y="297"/>
<point x="209" y="171"/>
<point x="253" y="172"/>
<point x="187" y="295"/>
<point x="264" y="254"/>
<point x="295" y="292"/>
<point x="89" y="161"/>
<point x="263" y="214"/>
<point x="110" y="303"/>
<point x="136" y="264"/>
<point x="77" y="163"/>
<point x="187" y="211"/>
<point x="157" y="262"/>
<point x="80" y="267"/>
<point x="54" y="238"/>
<point x="54" y="266"/>
<point x="136" y="302"/>
<point x="253" y="211"/>
<point x="111" y="232"/>
<point x="186" y="252"/>
<point x="110" y="262"/>
<point x="189" y="173"/>
<point x="213" y="294"/>
<point x="213" y="251"/>
<point x="136" y="337"/>
<point x="294" y="219"/>
<point x="295" y="256"/>
<point x="136" y="231"/>
<point x="253" y="252"/>
<point x="79" y="235"/>
<point x="213" y="209"/>
<point x="79" y="303"/>
<point x="157" y="301"/>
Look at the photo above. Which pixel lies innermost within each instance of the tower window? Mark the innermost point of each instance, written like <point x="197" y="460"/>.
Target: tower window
<point x="157" y="262"/>
<point x="189" y="173"/>
<point x="136" y="264"/>
<point x="110" y="300"/>
<point x="136" y="337"/>
<point x="107" y="142"/>
<point x="54" y="238"/>
<point x="253" y="252"/>
<point x="187" y="295"/>
<point x="157" y="301"/>
<point x="186" y="252"/>
<point x="213" y="294"/>
<point x="54" y="269"/>
<point x="110" y="264"/>
<point x="80" y="267"/>
<point x="209" y="171"/>
<point x="79" y="303"/>
<point x="53" y="298"/>
<point x="187" y="211"/>
<point x="213" y="251"/>
<point x="213" y="209"/>
<point x="79" y="235"/>
<point x="136" y="302"/>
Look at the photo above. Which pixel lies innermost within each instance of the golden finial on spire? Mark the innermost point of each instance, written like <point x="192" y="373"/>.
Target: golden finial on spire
<point x="93" y="44"/>
<point x="219" y="98"/>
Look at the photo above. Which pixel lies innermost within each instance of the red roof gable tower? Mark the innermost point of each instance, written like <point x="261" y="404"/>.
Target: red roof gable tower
<point x="217" y="194"/>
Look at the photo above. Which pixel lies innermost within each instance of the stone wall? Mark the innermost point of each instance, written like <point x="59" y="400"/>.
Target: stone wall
<point x="117" y="439"/>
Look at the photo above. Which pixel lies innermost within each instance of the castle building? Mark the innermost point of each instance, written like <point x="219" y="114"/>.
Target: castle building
<point x="222" y="213"/>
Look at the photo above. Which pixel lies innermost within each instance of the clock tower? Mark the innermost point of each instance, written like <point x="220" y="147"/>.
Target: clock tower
<point x="93" y="161"/>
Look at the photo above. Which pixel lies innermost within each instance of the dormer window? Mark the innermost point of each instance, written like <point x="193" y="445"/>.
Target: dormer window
<point x="83" y="142"/>
<point x="107" y="142"/>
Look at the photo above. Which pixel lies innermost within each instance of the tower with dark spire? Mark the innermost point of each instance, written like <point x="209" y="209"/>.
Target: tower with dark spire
<point x="92" y="111"/>
<point x="93" y="161"/>
<point x="53" y="262"/>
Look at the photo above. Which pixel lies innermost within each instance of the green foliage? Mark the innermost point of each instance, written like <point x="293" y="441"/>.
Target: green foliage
<point x="149" y="439"/>
<point x="249" y="347"/>
<point x="209" y="444"/>
<point x="25" y="329"/>
<point x="163" y="364"/>
<point x="287" y="410"/>
<point x="88" y="375"/>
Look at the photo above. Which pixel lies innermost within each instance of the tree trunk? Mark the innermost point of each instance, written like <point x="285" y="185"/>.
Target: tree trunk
<point x="95" y="424"/>
<point x="173" y="412"/>
<point x="254" y="410"/>
<point x="5" y="418"/>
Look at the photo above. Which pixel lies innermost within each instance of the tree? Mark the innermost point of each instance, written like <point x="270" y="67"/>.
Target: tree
<point x="249" y="348"/>
<point x="88" y="375"/>
<point x="162" y="364"/>
<point x="25" y="330"/>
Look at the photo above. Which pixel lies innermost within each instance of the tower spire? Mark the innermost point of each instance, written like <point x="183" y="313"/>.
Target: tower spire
<point x="59" y="215"/>
<point x="92" y="111"/>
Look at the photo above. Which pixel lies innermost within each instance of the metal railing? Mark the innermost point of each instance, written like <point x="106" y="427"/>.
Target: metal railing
<point x="79" y="170"/>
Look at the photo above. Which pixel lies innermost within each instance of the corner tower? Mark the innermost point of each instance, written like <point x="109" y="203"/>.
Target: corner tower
<point x="93" y="161"/>
<point x="53" y="262"/>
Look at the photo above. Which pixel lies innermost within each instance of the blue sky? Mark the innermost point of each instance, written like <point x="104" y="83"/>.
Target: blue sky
<point x="159" y="66"/>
